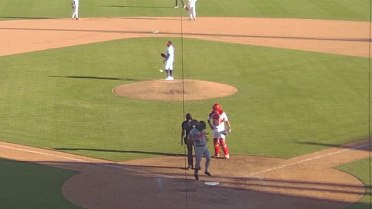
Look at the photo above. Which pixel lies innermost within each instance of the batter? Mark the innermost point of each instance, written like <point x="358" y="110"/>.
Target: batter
<point x="198" y="136"/>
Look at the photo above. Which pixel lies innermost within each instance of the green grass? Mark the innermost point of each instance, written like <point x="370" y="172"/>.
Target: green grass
<point x="25" y="185"/>
<point x="361" y="170"/>
<point x="319" y="9"/>
<point x="289" y="102"/>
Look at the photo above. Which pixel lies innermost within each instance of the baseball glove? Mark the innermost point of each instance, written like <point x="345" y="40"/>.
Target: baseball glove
<point x="187" y="8"/>
<point x="163" y="55"/>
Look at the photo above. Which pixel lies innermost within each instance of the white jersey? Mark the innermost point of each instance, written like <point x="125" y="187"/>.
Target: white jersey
<point x="218" y="121"/>
<point x="170" y="53"/>
<point x="76" y="2"/>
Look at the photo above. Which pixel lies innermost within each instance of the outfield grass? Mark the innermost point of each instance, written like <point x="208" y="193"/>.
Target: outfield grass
<point x="319" y="9"/>
<point x="362" y="170"/>
<point x="289" y="102"/>
<point x="25" y="185"/>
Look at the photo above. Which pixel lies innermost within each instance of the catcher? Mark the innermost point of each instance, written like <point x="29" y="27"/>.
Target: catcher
<point x="218" y="121"/>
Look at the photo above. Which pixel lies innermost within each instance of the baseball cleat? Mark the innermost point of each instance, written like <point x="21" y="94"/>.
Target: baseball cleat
<point x="196" y="176"/>
<point x="227" y="156"/>
<point x="176" y="7"/>
<point x="207" y="173"/>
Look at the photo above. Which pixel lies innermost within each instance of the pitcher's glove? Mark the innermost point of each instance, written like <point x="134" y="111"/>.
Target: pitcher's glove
<point x="163" y="55"/>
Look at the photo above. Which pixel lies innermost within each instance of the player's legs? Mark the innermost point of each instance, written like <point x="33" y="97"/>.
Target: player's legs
<point x="198" y="157"/>
<point x="73" y="13"/>
<point x="77" y="11"/>
<point x="167" y="73"/>
<point x="190" y="158"/>
<point x="171" y="74"/>
<point x="225" y="149"/>
<point x="194" y="12"/>
<point x="207" y="159"/>
<point x="183" y="4"/>
<point x="169" y="69"/>
<point x="216" y="143"/>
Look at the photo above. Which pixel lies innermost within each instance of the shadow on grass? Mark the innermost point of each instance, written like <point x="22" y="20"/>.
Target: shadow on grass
<point x="26" y="17"/>
<point x="95" y="77"/>
<point x="120" y="151"/>
<point x="136" y="6"/>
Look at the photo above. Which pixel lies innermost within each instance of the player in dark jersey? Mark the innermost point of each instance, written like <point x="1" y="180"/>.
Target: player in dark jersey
<point x="187" y="126"/>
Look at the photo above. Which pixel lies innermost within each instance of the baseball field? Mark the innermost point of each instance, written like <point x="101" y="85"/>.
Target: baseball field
<point x="88" y="121"/>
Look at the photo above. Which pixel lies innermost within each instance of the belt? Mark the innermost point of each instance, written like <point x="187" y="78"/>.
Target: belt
<point x="200" y="145"/>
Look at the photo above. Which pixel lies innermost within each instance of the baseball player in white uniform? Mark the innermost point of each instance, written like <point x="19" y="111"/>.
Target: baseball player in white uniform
<point x="198" y="136"/>
<point x="192" y="9"/>
<point x="169" y="59"/>
<point x="218" y="122"/>
<point x="75" y="7"/>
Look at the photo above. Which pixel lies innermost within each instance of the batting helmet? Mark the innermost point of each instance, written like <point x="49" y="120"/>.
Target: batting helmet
<point x="217" y="108"/>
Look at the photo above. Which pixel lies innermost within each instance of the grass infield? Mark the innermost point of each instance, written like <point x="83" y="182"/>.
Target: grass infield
<point x="62" y="98"/>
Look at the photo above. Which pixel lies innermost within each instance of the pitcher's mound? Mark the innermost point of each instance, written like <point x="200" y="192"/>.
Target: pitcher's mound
<point x="177" y="90"/>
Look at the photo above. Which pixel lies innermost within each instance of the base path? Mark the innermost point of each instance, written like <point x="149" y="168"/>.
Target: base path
<point x="327" y="36"/>
<point x="246" y="182"/>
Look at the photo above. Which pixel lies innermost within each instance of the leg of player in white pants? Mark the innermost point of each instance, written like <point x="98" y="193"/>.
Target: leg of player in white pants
<point x="193" y="10"/>
<point x="77" y="11"/>
<point x="75" y="15"/>
<point x="192" y="13"/>
<point x="169" y="69"/>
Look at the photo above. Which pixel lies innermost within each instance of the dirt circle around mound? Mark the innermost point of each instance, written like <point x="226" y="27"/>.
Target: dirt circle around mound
<point x="176" y="90"/>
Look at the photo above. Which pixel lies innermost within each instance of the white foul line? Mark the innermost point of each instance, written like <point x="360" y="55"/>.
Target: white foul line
<point x="303" y="161"/>
<point x="118" y="166"/>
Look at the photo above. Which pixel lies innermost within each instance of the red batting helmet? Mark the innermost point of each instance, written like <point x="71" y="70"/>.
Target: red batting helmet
<point x="217" y="108"/>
